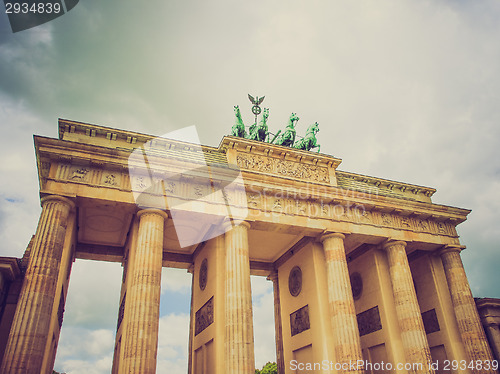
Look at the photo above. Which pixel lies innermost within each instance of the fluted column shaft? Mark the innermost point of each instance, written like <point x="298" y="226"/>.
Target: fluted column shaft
<point x="278" y="331"/>
<point x="143" y="295"/>
<point x="347" y="343"/>
<point x="469" y="323"/>
<point x="239" y="344"/>
<point x="410" y="322"/>
<point x="30" y="327"/>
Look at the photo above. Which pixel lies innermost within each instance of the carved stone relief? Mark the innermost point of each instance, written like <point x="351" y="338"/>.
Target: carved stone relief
<point x="170" y="187"/>
<point x="369" y="321"/>
<point x="386" y="219"/>
<point x="203" y="274"/>
<point x="204" y="317"/>
<point x="299" y="320"/>
<point x="45" y="168"/>
<point x="405" y="222"/>
<point x="285" y="168"/>
<point x="253" y="200"/>
<point x="79" y="174"/>
<point x="141" y="183"/>
<point x="295" y="281"/>
<point x="430" y="320"/>
<point x="111" y="179"/>
<point x="198" y="191"/>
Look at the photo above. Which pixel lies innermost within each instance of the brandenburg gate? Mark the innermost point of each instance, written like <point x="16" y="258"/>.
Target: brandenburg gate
<point x="365" y="270"/>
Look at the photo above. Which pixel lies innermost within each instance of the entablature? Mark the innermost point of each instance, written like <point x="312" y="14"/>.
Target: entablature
<point x="282" y="187"/>
<point x="384" y="187"/>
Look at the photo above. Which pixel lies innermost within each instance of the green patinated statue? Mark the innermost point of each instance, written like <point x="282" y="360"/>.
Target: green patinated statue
<point x="288" y="137"/>
<point x="238" y="128"/>
<point x="261" y="131"/>
<point x="308" y="142"/>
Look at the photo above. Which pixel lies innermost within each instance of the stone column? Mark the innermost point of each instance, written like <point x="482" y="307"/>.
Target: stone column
<point x="410" y="322"/>
<point x="30" y="327"/>
<point x="469" y="323"/>
<point x="343" y="315"/>
<point x="143" y="295"/>
<point x="280" y="359"/>
<point x="239" y="348"/>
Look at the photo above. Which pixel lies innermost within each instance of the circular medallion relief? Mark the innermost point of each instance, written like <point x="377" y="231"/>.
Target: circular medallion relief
<point x="356" y="285"/>
<point x="203" y="274"/>
<point x="295" y="281"/>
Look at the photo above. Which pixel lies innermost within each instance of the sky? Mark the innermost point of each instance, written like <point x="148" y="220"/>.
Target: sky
<point x="402" y="90"/>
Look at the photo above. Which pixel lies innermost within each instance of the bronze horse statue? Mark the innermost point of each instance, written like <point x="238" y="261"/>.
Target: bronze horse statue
<point x="261" y="131"/>
<point x="238" y="128"/>
<point x="309" y="141"/>
<point x="288" y="137"/>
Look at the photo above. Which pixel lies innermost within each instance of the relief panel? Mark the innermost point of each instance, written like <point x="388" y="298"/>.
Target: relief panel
<point x="204" y="317"/>
<point x="284" y="168"/>
<point x="369" y="321"/>
<point x="299" y="320"/>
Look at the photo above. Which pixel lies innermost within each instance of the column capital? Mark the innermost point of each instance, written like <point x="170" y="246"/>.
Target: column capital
<point x="450" y="248"/>
<point x="390" y="243"/>
<point x="63" y="199"/>
<point x="152" y="211"/>
<point x="329" y="235"/>
<point x="230" y="223"/>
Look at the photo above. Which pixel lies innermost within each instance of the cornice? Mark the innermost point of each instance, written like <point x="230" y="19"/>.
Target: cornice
<point x="388" y="184"/>
<point x="134" y="139"/>
<point x="9" y="267"/>
<point x="277" y="151"/>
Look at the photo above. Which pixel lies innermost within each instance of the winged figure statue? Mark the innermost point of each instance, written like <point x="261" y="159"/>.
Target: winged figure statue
<point x="257" y="100"/>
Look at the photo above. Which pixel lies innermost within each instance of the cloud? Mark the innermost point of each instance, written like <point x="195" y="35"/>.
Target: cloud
<point x="19" y="198"/>
<point x="175" y="280"/>
<point x="263" y="318"/>
<point x="173" y="344"/>
<point x="92" y="354"/>
<point x="89" y="304"/>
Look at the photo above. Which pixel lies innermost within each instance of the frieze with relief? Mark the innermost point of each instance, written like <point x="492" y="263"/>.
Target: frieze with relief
<point x="89" y="175"/>
<point x="80" y="174"/>
<point x="284" y="168"/>
<point x="111" y="179"/>
<point x="277" y="202"/>
<point x="45" y="169"/>
<point x="348" y="213"/>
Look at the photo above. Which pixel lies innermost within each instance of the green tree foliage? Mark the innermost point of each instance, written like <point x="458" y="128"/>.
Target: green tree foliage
<point x="269" y="368"/>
